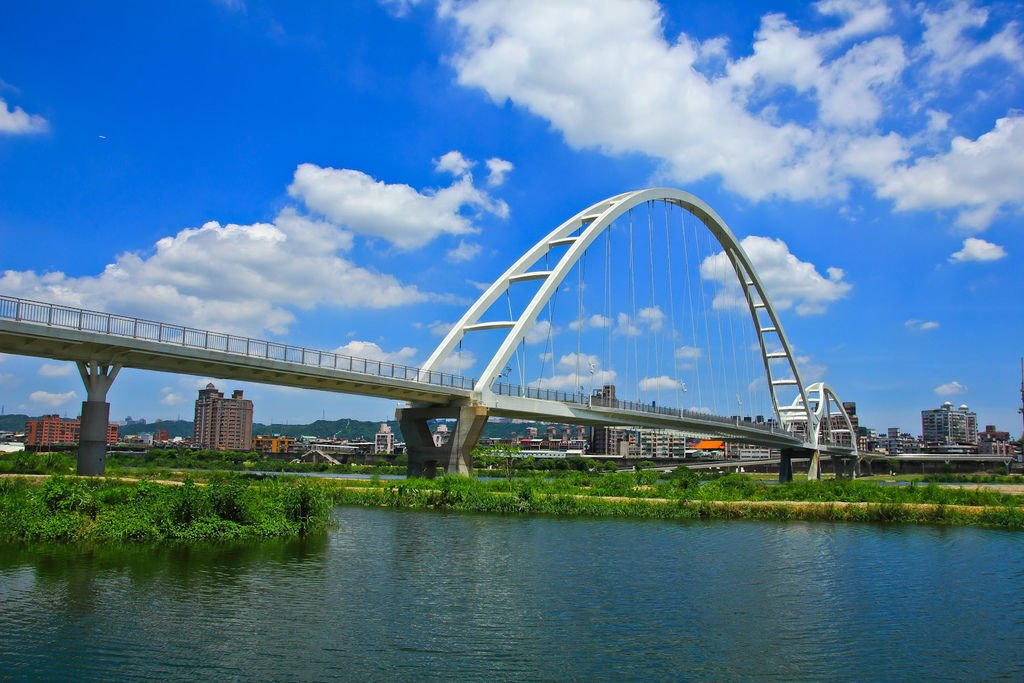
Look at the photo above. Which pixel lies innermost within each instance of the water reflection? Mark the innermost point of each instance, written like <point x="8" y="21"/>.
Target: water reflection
<point x="403" y="594"/>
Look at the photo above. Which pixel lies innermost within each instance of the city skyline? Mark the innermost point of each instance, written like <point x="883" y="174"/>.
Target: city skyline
<point x="345" y="178"/>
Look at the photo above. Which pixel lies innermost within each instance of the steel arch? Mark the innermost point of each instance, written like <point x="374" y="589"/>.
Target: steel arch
<point x="818" y="395"/>
<point x="590" y="223"/>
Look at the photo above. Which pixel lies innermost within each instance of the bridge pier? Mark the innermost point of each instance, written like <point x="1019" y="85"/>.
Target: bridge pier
<point x="786" y="465"/>
<point x="456" y="455"/>
<point x="92" y="434"/>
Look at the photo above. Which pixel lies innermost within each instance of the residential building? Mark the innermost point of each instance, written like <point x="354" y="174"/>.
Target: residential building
<point x="51" y="430"/>
<point x="949" y="426"/>
<point x="384" y="442"/>
<point x="222" y="423"/>
<point x="273" y="444"/>
<point x="992" y="442"/>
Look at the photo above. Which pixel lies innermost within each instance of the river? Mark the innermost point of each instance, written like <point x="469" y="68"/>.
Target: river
<point x="401" y="595"/>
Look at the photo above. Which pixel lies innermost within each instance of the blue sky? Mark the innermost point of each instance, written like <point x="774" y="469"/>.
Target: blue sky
<point x="344" y="175"/>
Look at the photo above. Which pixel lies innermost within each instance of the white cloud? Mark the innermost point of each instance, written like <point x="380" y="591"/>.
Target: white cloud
<point x="921" y="325"/>
<point x="466" y="251"/>
<point x="497" y="169"/>
<point x="51" y="400"/>
<point x="662" y="382"/>
<point x="54" y="370"/>
<point x="407" y="218"/>
<point x="802" y="114"/>
<point x="372" y="351"/>
<point x="788" y="281"/>
<point x="975" y="249"/>
<point x="437" y="328"/>
<point x="583" y="369"/>
<point x="540" y="332"/>
<point x="459" y="362"/>
<point x="978" y="177"/>
<point x="234" y="278"/>
<point x="453" y="162"/>
<point x="594" y="322"/>
<point x="171" y="397"/>
<point x="17" y="121"/>
<point x="688" y="353"/>
<point x="625" y="326"/>
<point x="399" y="8"/>
<point x="651" y="316"/>
<point x="950" y="389"/>
<point x="950" y="52"/>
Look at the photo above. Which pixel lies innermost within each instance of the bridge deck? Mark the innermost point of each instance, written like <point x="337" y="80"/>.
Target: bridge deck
<point x="59" y="332"/>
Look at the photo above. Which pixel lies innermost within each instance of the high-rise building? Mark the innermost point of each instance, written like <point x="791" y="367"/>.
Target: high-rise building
<point x="222" y="423"/>
<point x="947" y="426"/>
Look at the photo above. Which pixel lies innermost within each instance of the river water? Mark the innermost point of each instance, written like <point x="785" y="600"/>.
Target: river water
<point x="400" y="595"/>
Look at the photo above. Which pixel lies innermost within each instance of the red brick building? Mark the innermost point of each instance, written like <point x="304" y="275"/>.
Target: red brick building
<point x="51" y="430"/>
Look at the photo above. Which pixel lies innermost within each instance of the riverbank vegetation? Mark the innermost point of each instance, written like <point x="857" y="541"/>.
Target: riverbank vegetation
<point x="688" y="495"/>
<point x="62" y="508"/>
<point x="682" y="494"/>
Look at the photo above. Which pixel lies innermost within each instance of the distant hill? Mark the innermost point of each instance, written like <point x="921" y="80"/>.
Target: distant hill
<point x="341" y="429"/>
<point x="362" y="429"/>
<point x="12" y="423"/>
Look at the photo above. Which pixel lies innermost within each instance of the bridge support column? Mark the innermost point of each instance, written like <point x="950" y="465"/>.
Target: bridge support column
<point x="456" y="455"/>
<point x="814" y="471"/>
<point x="92" y="434"/>
<point x="786" y="465"/>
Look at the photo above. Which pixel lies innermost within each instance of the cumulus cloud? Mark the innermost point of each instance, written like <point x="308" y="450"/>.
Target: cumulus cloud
<point x="653" y="317"/>
<point x="950" y="389"/>
<point x="372" y="351"/>
<point x="593" y="322"/>
<point x="950" y="51"/>
<point x="437" y="328"/>
<point x="688" y="353"/>
<point x="497" y="169"/>
<point x="453" y="162"/>
<point x="55" y="370"/>
<point x="540" y="332"/>
<point x="662" y="382"/>
<point x="50" y="400"/>
<point x="236" y="278"/>
<point x="788" y="281"/>
<point x="975" y="249"/>
<point x="577" y="369"/>
<point x="977" y="177"/>
<point x="459" y="363"/>
<point x="170" y="397"/>
<point x="398" y="213"/>
<point x="804" y="114"/>
<point x="16" y="121"/>
<point x="921" y="325"/>
<point x="466" y="251"/>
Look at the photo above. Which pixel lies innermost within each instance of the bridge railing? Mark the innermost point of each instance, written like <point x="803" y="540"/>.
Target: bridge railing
<point x="583" y="399"/>
<point x="66" y="317"/>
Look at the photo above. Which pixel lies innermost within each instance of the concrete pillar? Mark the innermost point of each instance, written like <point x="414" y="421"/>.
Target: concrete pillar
<point x="92" y="433"/>
<point x="456" y="455"/>
<point x="814" y="471"/>
<point x="786" y="466"/>
<point x="839" y="467"/>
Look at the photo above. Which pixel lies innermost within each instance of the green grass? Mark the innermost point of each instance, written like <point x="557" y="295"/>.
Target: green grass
<point x="64" y="508"/>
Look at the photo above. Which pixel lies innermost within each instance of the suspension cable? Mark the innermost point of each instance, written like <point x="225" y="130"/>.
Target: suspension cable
<point x="693" y="317"/>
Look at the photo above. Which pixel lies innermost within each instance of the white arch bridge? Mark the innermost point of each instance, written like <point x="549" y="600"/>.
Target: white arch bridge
<point x="805" y="419"/>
